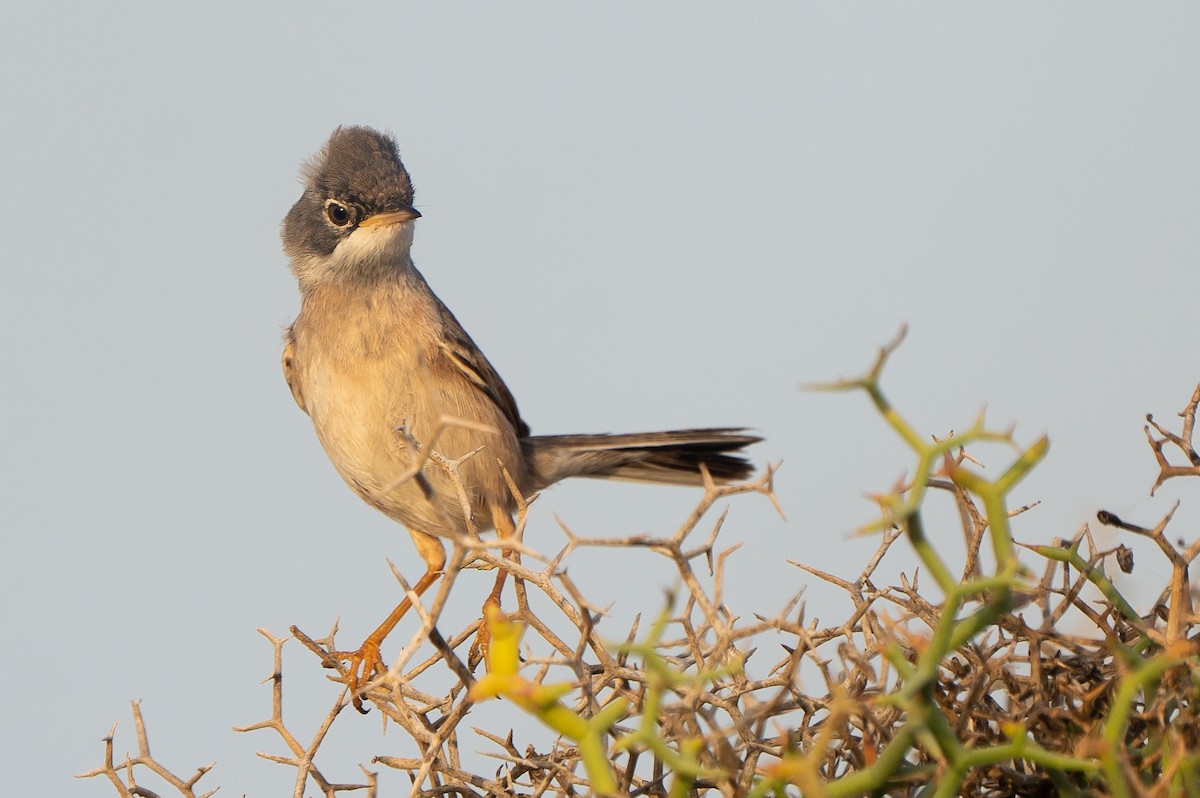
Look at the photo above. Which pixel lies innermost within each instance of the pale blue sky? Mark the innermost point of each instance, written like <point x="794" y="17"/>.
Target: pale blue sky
<point x="648" y="216"/>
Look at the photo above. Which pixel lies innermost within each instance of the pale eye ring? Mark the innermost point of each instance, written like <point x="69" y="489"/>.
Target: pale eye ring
<point x="340" y="214"/>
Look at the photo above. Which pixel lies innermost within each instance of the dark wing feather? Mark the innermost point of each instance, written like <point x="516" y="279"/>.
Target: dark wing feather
<point x="469" y="360"/>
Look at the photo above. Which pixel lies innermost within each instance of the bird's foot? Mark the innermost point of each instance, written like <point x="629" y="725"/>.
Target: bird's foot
<point x="483" y="637"/>
<point x="364" y="665"/>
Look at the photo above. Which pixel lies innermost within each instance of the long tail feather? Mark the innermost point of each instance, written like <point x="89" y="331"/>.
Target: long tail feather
<point x="672" y="457"/>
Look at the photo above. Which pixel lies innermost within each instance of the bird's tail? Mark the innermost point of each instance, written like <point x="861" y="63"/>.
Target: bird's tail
<point x="671" y="457"/>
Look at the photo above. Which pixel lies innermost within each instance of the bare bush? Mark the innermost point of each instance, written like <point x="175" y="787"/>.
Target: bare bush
<point x="968" y="686"/>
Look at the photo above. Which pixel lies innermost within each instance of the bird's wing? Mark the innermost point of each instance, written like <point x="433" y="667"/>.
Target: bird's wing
<point x="289" y="370"/>
<point x="470" y="361"/>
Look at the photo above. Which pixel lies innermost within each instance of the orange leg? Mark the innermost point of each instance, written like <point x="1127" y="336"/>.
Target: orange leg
<point x="366" y="662"/>
<point x="505" y="529"/>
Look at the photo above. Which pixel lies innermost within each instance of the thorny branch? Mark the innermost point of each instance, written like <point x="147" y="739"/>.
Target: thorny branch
<point x="1011" y="711"/>
<point x="123" y="776"/>
<point x="1183" y="442"/>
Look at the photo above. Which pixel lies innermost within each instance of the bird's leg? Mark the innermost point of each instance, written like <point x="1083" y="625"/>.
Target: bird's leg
<point x="366" y="662"/>
<point x="505" y="529"/>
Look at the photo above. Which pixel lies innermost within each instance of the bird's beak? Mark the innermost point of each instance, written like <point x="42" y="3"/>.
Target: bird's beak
<point x="390" y="218"/>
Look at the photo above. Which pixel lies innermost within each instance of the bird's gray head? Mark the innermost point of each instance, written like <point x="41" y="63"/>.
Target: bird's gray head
<point x="354" y="219"/>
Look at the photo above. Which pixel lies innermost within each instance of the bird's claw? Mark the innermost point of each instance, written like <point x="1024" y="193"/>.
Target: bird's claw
<point x="483" y="637"/>
<point x="364" y="665"/>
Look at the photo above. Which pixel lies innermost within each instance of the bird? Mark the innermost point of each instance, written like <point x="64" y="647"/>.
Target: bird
<point x="395" y="386"/>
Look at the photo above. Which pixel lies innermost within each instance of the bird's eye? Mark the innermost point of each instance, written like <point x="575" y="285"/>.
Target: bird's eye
<point x="338" y="214"/>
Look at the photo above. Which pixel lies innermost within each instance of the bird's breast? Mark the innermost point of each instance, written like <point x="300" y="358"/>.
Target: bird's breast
<point x="377" y="383"/>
